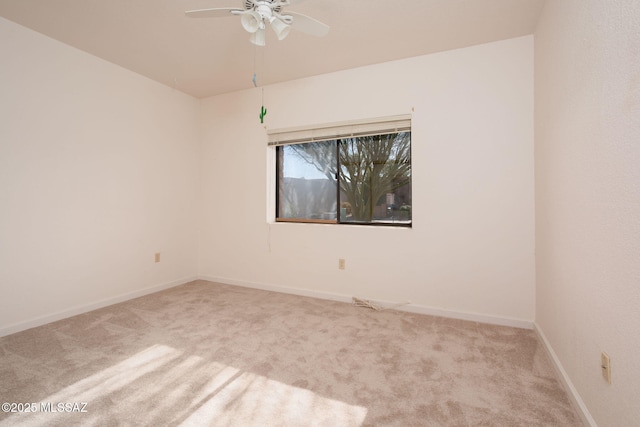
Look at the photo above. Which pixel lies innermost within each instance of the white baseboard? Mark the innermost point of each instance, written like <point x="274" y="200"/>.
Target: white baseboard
<point x="276" y="288"/>
<point x="574" y="396"/>
<point x="473" y="317"/>
<point x="43" y="320"/>
<point x="408" y="307"/>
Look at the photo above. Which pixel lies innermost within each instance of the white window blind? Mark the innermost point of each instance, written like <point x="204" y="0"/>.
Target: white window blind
<point x="325" y="132"/>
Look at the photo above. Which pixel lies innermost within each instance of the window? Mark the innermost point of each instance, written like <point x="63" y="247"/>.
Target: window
<point x="356" y="173"/>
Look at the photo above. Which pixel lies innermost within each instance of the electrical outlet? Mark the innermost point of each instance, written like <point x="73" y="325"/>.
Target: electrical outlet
<point x="157" y="256"/>
<point x="606" y="367"/>
<point x="341" y="264"/>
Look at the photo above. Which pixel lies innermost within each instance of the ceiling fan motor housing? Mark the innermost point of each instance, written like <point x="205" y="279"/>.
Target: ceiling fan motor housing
<point x="255" y="5"/>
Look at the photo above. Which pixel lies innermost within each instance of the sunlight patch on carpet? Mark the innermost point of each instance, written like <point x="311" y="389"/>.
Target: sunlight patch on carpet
<point x="250" y="397"/>
<point x="166" y="385"/>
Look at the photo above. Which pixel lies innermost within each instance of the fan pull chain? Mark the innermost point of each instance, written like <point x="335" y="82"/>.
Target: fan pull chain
<point x="263" y="110"/>
<point x="255" y="72"/>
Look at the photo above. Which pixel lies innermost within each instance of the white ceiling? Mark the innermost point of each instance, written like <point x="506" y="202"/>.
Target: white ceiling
<point x="210" y="56"/>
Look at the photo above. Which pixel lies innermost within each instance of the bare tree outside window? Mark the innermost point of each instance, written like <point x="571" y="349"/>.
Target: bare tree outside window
<point x="371" y="169"/>
<point x="369" y="177"/>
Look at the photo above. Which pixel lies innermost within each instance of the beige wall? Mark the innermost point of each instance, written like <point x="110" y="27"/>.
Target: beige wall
<point x="471" y="248"/>
<point x="98" y="171"/>
<point x="587" y="79"/>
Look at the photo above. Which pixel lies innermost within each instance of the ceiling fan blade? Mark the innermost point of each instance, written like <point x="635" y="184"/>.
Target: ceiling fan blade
<point x="306" y="24"/>
<point x="213" y="13"/>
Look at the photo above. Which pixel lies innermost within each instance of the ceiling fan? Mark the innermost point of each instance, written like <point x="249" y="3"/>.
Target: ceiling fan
<point x="256" y="14"/>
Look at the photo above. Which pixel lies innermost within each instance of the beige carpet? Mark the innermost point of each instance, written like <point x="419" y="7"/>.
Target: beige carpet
<point x="209" y="354"/>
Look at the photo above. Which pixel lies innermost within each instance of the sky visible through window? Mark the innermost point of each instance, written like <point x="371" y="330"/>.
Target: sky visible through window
<point x="295" y="167"/>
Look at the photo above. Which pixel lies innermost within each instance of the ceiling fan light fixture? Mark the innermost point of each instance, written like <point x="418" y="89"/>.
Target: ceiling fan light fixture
<point x="251" y="21"/>
<point x="280" y="28"/>
<point x="258" y="38"/>
<point x="257" y="14"/>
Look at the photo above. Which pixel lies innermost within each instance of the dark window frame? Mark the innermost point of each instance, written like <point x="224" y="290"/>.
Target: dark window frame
<point x="338" y="220"/>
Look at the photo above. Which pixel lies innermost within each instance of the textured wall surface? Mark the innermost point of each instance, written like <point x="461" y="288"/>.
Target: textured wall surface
<point x="587" y="162"/>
